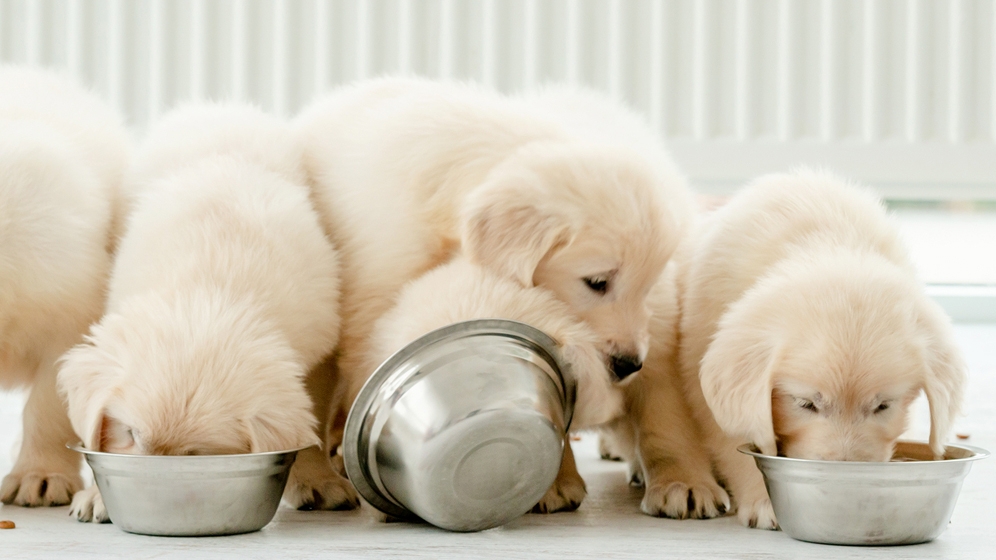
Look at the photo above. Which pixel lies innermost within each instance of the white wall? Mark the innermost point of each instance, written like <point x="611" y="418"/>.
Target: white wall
<point x="899" y="93"/>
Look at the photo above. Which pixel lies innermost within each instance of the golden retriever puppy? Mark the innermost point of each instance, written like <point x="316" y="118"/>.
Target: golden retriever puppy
<point x="63" y="153"/>
<point x="406" y="172"/>
<point x="461" y="290"/>
<point x="224" y="294"/>
<point x="659" y="437"/>
<point x="804" y="331"/>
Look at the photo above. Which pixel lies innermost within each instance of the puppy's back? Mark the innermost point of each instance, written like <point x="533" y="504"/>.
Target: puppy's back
<point x="62" y="154"/>
<point x="771" y="219"/>
<point x="219" y="197"/>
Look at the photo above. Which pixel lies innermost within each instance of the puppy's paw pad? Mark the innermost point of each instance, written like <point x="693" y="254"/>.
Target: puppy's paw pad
<point x="332" y="493"/>
<point x="88" y="506"/>
<point x="678" y="500"/>
<point x="564" y="495"/>
<point x="36" y="488"/>
<point x="758" y="515"/>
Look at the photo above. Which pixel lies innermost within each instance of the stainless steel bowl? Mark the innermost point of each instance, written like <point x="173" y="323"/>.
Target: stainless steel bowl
<point x="464" y="427"/>
<point x="907" y="501"/>
<point x="191" y="495"/>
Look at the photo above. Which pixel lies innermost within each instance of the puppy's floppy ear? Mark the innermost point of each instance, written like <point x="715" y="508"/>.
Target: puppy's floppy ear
<point x="737" y="377"/>
<point x="944" y="373"/>
<point x="87" y="378"/>
<point x="508" y="226"/>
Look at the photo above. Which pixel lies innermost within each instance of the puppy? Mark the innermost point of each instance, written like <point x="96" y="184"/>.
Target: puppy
<point x="459" y="291"/>
<point x="223" y="295"/>
<point x="804" y="331"/>
<point x="407" y="172"/>
<point x="63" y="153"/>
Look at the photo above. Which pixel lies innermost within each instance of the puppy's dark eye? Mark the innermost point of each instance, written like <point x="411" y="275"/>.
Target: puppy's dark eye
<point x="599" y="285"/>
<point x="808" y="405"/>
<point x="881" y="407"/>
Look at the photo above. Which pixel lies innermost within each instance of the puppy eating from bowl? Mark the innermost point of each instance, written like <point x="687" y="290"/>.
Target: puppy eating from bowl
<point x="223" y="295"/>
<point x="805" y="331"/>
<point x="63" y="155"/>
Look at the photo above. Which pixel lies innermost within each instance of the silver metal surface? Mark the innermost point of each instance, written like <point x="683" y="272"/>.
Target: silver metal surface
<point x="464" y="427"/>
<point x="906" y="501"/>
<point x="196" y="495"/>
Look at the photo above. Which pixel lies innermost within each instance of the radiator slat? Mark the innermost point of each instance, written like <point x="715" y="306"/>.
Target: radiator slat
<point x="955" y="132"/>
<point x="656" y="72"/>
<point x="828" y="61"/>
<point x="870" y="68"/>
<point x="742" y="90"/>
<point x="914" y="64"/>
<point x="784" y="72"/>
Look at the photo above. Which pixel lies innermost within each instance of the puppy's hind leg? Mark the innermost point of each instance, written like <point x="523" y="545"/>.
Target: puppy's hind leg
<point x="617" y="442"/>
<point x="46" y="472"/>
<point x="568" y="490"/>
<point x="613" y="439"/>
<point x="313" y="482"/>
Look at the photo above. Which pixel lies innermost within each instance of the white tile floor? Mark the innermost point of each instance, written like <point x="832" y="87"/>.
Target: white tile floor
<point x="608" y="524"/>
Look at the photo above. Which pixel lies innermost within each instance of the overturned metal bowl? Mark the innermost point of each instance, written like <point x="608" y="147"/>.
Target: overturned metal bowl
<point x="464" y="427"/>
<point x="190" y="495"/>
<point x="906" y="501"/>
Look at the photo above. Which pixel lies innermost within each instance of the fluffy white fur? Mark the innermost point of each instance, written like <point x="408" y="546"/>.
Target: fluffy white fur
<point x="804" y="330"/>
<point x="224" y="294"/>
<point x="461" y="290"/>
<point x="406" y="172"/>
<point x="62" y="156"/>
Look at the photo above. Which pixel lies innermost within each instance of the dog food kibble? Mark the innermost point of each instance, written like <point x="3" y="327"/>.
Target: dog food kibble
<point x="962" y="436"/>
<point x="6" y="524"/>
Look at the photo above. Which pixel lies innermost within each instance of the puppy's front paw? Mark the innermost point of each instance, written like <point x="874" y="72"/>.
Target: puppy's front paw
<point x="566" y="494"/>
<point x="678" y="500"/>
<point x="88" y="505"/>
<point x="757" y="515"/>
<point x="331" y="492"/>
<point x="38" y="487"/>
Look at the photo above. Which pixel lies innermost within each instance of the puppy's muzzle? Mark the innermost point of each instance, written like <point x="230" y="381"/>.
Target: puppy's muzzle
<point x="624" y="365"/>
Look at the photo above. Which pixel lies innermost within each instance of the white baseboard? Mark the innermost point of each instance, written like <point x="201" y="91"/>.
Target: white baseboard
<point x="966" y="303"/>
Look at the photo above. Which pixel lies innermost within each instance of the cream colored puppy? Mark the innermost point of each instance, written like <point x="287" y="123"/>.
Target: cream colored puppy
<point x="804" y="330"/>
<point x="461" y="290"/>
<point x="62" y="157"/>
<point x="406" y="172"/>
<point x="224" y="294"/>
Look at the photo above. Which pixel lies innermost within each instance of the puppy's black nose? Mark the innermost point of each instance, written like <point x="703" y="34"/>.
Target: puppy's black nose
<point x="624" y="365"/>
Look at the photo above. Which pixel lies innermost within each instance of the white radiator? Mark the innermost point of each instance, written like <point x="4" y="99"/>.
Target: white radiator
<point x="900" y="93"/>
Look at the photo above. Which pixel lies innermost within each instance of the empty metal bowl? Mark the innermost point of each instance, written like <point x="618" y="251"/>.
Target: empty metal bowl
<point x="191" y="495"/>
<point x="906" y="501"/>
<point x="464" y="427"/>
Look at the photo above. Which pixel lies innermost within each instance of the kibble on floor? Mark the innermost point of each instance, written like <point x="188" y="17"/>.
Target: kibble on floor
<point x="608" y="524"/>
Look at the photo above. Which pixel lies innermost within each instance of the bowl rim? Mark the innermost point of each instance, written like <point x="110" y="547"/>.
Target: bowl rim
<point x="79" y="448"/>
<point x="977" y="453"/>
<point x="356" y="465"/>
